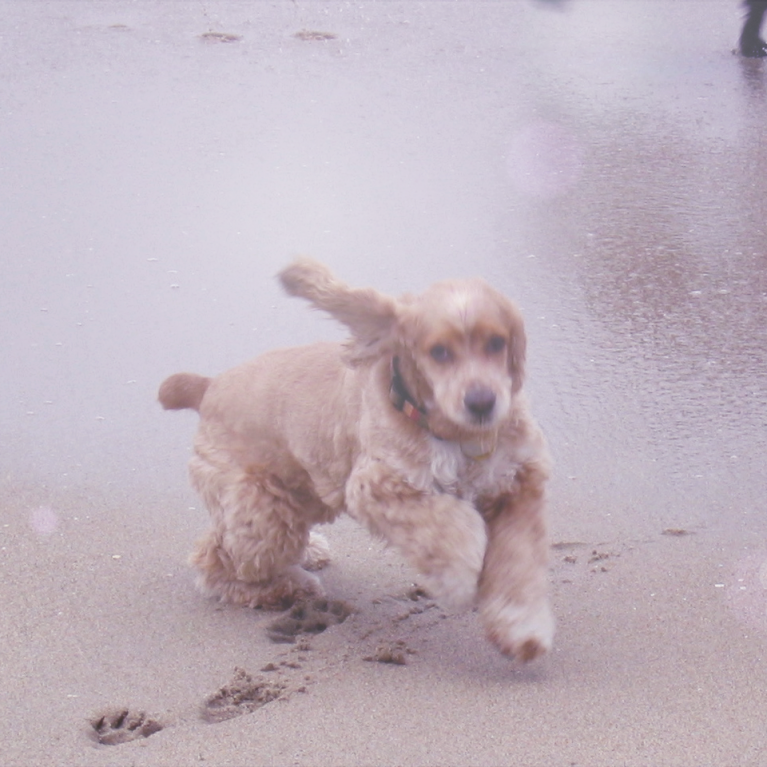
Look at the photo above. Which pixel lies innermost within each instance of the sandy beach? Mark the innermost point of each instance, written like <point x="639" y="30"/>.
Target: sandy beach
<point x="605" y="168"/>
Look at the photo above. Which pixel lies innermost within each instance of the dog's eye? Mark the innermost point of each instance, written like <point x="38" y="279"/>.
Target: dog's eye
<point x="440" y="353"/>
<point x="495" y="345"/>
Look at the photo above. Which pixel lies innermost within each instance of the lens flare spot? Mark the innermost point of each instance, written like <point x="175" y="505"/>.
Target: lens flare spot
<point x="44" y="520"/>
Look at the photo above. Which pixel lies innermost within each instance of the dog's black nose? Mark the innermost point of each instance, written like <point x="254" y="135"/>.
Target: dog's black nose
<point x="479" y="401"/>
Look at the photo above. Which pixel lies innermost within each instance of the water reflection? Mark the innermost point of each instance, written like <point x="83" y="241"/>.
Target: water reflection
<point x="676" y="270"/>
<point x="752" y="72"/>
<point x="657" y="256"/>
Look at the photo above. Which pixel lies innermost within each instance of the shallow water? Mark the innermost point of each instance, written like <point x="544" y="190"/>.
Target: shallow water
<point x="603" y="166"/>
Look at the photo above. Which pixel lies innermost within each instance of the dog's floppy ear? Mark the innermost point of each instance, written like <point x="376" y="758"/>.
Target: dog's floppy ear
<point x="370" y="316"/>
<point x="517" y="347"/>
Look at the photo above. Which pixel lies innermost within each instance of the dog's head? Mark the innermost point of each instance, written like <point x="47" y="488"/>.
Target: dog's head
<point x="463" y="353"/>
<point x="460" y="345"/>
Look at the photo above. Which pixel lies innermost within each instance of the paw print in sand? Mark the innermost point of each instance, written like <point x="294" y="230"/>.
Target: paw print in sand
<point x="121" y="725"/>
<point x="309" y="617"/>
<point x="243" y="694"/>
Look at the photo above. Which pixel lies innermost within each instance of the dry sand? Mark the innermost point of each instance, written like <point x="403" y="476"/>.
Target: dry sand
<point x="104" y="636"/>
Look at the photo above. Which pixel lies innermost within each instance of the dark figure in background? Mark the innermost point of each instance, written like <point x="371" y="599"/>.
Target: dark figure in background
<point x="751" y="44"/>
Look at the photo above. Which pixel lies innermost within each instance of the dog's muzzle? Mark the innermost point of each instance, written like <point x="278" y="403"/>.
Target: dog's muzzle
<point x="480" y="402"/>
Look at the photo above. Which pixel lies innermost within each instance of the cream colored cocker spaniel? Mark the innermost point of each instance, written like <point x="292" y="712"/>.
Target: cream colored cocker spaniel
<point x="416" y="426"/>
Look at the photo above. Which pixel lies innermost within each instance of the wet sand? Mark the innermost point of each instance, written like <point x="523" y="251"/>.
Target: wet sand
<point x="154" y="180"/>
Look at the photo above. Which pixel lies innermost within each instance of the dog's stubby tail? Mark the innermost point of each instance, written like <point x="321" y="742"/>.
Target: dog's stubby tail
<point x="183" y="390"/>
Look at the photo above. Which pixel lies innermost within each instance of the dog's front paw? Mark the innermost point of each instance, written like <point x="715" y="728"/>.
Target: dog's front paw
<point x="455" y="588"/>
<point x="522" y="632"/>
<point x="453" y="574"/>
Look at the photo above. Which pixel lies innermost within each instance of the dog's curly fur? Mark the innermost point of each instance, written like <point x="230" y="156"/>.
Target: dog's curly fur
<point x="455" y="479"/>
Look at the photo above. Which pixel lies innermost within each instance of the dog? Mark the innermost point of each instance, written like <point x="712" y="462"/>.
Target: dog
<point x="416" y="426"/>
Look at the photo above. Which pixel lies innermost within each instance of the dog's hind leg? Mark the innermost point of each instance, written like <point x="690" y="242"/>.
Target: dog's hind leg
<point x="252" y="556"/>
<point x="219" y="576"/>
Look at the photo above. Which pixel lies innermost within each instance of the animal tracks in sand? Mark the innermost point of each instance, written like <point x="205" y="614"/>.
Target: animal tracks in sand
<point x="320" y="638"/>
<point x="305" y="664"/>
<point x="310" y="617"/>
<point x="384" y="633"/>
<point x="573" y="559"/>
<point x="243" y="694"/>
<point x="582" y="557"/>
<point x="121" y="725"/>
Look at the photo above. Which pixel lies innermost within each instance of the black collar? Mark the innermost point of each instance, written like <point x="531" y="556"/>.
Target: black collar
<point x="402" y="399"/>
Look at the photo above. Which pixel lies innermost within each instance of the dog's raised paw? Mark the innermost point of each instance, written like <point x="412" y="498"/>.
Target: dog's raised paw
<point x="521" y="632"/>
<point x="121" y="725"/>
<point x="242" y="695"/>
<point x="308" y="617"/>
